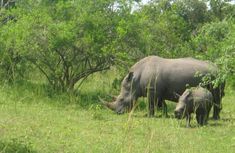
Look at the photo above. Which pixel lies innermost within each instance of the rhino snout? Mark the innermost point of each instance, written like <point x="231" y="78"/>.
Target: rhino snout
<point x="179" y="113"/>
<point x="120" y="112"/>
<point x="120" y="109"/>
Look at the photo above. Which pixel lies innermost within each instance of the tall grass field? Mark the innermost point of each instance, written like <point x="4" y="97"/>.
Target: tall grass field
<point x="34" y="120"/>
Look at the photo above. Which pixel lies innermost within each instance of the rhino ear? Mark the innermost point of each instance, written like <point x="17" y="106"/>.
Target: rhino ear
<point x="187" y="92"/>
<point x="130" y="76"/>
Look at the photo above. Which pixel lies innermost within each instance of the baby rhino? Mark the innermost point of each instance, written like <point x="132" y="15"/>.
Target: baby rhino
<point x="195" y="100"/>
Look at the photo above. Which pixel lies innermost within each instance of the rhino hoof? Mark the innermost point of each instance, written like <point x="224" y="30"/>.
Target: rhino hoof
<point x="216" y="118"/>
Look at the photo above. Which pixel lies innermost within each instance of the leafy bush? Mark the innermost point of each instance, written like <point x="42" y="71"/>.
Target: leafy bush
<point x="69" y="40"/>
<point x="214" y="42"/>
<point x="66" y="41"/>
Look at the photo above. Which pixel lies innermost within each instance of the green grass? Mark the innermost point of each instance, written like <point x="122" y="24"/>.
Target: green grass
<point x="32" y="121"/>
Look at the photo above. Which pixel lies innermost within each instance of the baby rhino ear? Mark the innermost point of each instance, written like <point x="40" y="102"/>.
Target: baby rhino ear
<point x="187" y="92"/>
<point x="130" y="76"/>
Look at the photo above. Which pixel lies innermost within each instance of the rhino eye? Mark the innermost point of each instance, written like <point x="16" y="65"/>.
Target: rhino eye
<point x="122" y="99"/>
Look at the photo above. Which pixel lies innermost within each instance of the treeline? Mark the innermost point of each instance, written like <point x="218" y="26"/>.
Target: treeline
<point x="69" y="40"/>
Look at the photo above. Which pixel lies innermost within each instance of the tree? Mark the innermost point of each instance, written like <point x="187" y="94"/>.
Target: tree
<point x="68" y="40"/>
<point x="221" y="9"/>
<point x="164" y="30"/>
<point x="194" y="12"/>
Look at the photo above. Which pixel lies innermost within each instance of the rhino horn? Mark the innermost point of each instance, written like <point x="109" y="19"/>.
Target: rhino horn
<point x="110" y="105"/>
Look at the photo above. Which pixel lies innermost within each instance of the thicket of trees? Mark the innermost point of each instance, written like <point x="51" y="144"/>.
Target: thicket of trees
<point x="69" y="40"/>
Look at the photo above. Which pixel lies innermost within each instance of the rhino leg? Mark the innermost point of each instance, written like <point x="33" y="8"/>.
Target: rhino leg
<point x="164" y="111"/>
<point x="151" y="102"/>
<point x="216" y="113"/>
<point x="162" y="103"/>
<point x="208" y="109"/>
<point x="217" y="104"/>
<point x="216" y="109"/>
<point x="200" y="119"/>
<point x="188" y="118"/>
<point x="206" y="118"/>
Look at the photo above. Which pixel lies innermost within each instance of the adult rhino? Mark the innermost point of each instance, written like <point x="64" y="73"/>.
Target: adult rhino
<point x="162" y="79"/>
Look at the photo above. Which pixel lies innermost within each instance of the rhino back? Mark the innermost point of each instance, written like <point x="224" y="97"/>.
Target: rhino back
<point x="168" y="76"/>
<point x="202" y="95"/>
<point x="202" y="101"/>
<point x="146" y="73"/>
<point x="179" y="73"/>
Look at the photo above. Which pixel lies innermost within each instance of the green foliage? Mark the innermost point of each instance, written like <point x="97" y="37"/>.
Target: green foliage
<point x="67" y="41"/>
<point x="15" y="146"/>
<point x="154" y="25"/>
<point x="12" y="43"/>
<point x="7" y="4"/>
<point x="221" y="9"/>
<point x="209" y="37"/>
<point x="169" y="26"/>
<point x="214" y="42"/>
<point x="194" y="12"/>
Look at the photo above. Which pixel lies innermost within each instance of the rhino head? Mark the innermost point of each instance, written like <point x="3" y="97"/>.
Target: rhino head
<point x="124" y="101"/>
<point x="181" y="108"/>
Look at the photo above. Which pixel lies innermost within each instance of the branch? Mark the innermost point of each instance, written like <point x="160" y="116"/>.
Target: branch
<point x="89" y="72"/>
<point x="82" y="81"/>
<point x="65" y="66"/>
<point x="1" y="3"/>
<point x="44" y="72"/>
<point x="6" y="3"/>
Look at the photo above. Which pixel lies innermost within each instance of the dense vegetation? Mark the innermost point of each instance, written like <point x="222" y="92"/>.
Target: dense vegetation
<point x="58" y="56"/>
<point x="69" y="40"/>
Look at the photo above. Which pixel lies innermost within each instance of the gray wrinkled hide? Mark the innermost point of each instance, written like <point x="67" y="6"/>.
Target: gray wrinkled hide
<point x="162" y="79"/>
<point x="195" y="100"/>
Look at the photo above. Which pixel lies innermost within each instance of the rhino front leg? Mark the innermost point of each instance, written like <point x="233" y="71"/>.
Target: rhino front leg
<point x="151" y="103"/>
<point x="188" y="118"/>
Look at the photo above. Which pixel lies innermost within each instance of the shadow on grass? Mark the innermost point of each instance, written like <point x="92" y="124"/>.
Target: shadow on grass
<point x="215" y="124"/>
<point x="32" y="92"/>
<point x="14" y="146"/>
<point x="228" y="119"/>
<point x="221" y="122"/>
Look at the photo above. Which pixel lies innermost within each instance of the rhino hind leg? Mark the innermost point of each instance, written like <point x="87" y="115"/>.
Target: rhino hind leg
<point x="217" y="98"/>
<point x="216" y="112"/>
<point x="201" y="116"/>
<point x="200" y="119"/>
<point x="164" y="111"/>
<point x="217" y="105"/>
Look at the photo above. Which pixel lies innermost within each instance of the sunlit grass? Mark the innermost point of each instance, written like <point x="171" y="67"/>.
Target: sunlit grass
<point x="32" y="121"/>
